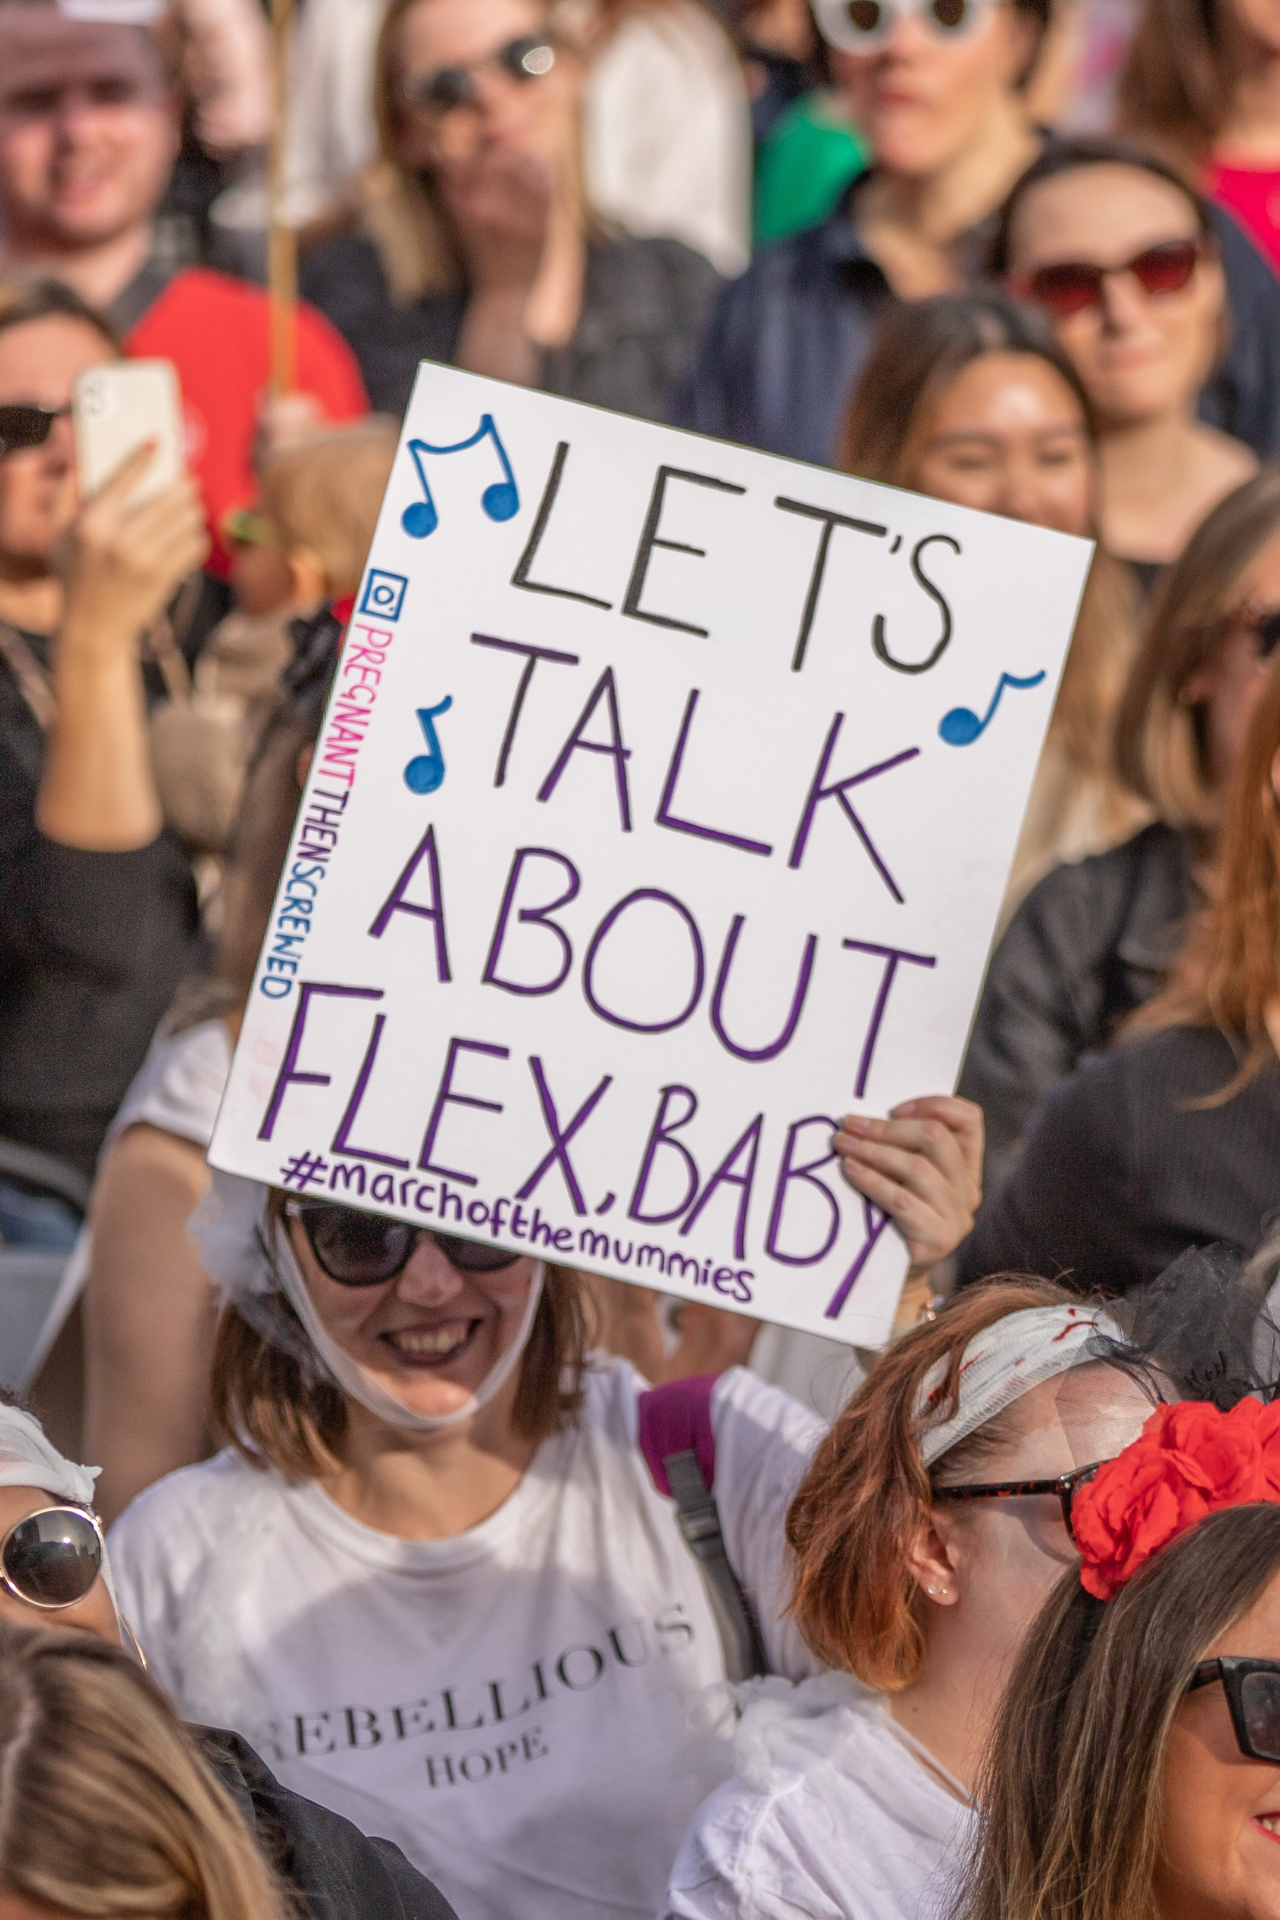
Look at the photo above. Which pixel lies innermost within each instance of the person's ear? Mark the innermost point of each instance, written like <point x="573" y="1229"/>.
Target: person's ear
<point x="931" y="1563"/>
<point x="309" y="579"/>
<point x="1275" y="776"/>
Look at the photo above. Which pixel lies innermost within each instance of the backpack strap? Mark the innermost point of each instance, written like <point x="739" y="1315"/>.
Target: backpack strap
<point x="679" y="1446"/>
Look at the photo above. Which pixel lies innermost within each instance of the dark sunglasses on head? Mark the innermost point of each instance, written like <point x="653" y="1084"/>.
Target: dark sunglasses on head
<point x="1252" y="1688"/>
<point x="51" y="1558"/>
<point x="528" y="58"/>
<point x="1073" y="285"/>
<point x="1063" y="1489"/>
<point x="366" y="1250"/>
<point x="27" y="426"/>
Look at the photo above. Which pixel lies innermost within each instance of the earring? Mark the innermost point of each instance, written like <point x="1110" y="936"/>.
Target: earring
<point x="932" y="1592"/>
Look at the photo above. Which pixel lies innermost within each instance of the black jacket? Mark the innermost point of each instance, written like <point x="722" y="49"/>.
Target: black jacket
<point x="645" y="304"/>
<point x="91" y="948"/>
<point x="790" y="338"/>
<point x="1122" y="1170"/>
<point x="1087" y="946"/>
<point x="341" y="1874"/>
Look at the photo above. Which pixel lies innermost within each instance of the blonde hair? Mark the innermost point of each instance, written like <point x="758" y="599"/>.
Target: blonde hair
<point x="106" y="1807"/>
<point x="324" y="493"/>
<point x="1159" y="750"/>
<point x="402" y="212"/>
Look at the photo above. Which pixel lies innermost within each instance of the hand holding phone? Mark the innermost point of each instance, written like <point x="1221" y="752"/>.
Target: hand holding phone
<point x="117" y="409"/>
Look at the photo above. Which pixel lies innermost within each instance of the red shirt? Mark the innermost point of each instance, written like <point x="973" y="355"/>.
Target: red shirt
<point x="1252" y="194"/>
<point x="215" y="330"/>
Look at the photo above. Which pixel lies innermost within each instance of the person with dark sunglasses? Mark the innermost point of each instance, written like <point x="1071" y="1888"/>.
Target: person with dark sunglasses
<point x="474" y="241"/>
<point x="1120" y="255"/>
<point x="1135" y="1764"/>
<point x="436" y="1527"/>
<point x="930" y="1527"/>
<point x="98" y="906"/>
<point x="55" y="1574"/>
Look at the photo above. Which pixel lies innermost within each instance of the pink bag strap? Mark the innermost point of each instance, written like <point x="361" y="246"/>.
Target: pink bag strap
<point x="676" y="1418"/>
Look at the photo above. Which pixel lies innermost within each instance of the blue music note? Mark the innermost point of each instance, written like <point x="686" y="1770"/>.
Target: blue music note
<point x="426" y="773"/>
<point x="500" y="500"/>
<point x="961" y="727"/>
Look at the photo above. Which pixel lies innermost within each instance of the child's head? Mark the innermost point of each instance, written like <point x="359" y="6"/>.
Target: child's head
<point x="307" y="538"/>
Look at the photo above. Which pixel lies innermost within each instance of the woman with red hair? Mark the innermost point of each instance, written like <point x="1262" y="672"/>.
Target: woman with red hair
<point x="927" y="1531"/>
<point x="1169" y="1140"/>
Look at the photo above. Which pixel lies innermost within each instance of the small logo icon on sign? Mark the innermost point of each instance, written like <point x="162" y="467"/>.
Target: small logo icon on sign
<point x="384" y="594"/>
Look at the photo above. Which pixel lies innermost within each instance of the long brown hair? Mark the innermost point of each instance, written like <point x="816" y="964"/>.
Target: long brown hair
<point x="1177" y="81"/>
<point x="106" y="1807"/>
<point x="1159" y="737"/>
<point x="275" y="1413"/>
<point x="922" y="348"/>
<point x="859" y="1509"/>
<point x="1229" y="970"/>
<point x="1072" y="1788"/>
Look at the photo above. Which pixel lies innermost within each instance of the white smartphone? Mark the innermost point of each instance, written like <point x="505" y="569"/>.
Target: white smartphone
<point x="114" y="409"/>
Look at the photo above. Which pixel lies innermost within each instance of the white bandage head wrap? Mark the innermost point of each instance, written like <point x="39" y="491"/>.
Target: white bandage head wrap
<point x="252" y="1265"/>
<point x="29" y="1459"/>
<point x="1005" y="1361"/>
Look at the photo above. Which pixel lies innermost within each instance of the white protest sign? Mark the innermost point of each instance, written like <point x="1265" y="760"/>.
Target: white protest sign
<point x="661" y="815"/>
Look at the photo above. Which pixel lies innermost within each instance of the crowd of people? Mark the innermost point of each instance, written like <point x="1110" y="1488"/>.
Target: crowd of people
<point x="446" y="1581"/>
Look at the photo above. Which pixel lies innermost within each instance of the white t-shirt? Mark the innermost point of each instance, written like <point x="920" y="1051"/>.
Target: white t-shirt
<point x="835" y="1814"/>
<point x="179" y="1085"/>
<point x="509" y="1705"/>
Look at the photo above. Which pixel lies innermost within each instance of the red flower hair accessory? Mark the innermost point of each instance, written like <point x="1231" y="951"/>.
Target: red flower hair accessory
<point x="1189" y="1460"/>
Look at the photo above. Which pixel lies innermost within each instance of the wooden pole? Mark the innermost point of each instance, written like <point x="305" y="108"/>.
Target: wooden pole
<point x="282" y="241"/>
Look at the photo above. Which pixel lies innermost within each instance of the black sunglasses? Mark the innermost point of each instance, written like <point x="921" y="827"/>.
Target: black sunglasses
<point x="1063" y="1489"/>
<point x="24" y="426"/>
<point x="529" y="58"/>
<point x="51" y="1558"/>
<point x="1072" y="285"/>
<point x="366" y="1249"/>
<point x="1252" y="1688"/>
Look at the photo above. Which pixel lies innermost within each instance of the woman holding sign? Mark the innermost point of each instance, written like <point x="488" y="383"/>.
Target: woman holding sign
<point x="433" y="1575"/>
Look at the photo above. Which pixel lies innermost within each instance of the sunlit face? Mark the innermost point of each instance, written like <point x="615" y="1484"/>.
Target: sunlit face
<point x="535" y="119"/>
<point x="1220" y="1833"/>
<point x="1139" y="356"/>
<point x="88" y="129"/>
<point x="431" y="1334"/>
<point x="924" y="104"/>
<point x="1008" y="1553"/>
<point x="39" y="362"/>
<point x="93" y="1614"/>
<point x="1227" y="686"/>
<point x="1008" y="436"/>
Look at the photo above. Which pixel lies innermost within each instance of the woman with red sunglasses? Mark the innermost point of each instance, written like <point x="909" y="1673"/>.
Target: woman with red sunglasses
<point x="1119" y="253"/>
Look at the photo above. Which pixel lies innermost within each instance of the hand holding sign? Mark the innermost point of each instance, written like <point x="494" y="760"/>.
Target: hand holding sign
<point x="704" y="870"/>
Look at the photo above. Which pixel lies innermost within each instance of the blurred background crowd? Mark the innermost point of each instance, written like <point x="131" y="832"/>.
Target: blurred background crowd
<point x="1021" y="255"/>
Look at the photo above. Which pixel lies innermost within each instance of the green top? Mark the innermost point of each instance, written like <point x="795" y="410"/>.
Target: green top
<point x="812" y="155"/>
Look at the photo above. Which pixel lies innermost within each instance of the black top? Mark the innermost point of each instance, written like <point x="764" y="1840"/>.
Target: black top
<point x="1120" y="1173"/>
<point x="1089" y="945"/>
<point x="790" y="338"/>
<point x="91" y="948"/>
<point x="645" y="303"/>
<point x="341" y="1874"/>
